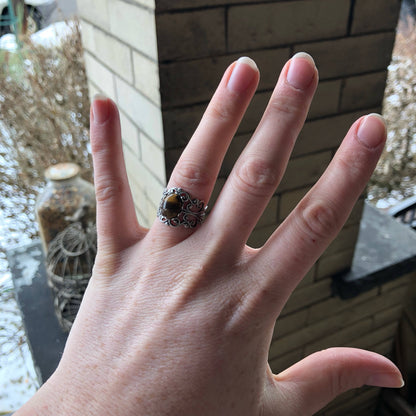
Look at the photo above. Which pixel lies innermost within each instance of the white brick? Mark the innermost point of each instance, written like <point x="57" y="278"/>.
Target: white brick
<point x="130" y="134"/>
<point x="102" y="77"/>
<point x="143" y="220"/>
<point x="92" y="90"/>
<point x="145" y="3"/>
<point x="153" y="157"/>
<point x="135" y="26"/>
<point x="131" y="161"/>
<point x="114" y="54"/>
<point x="146" y="115"/>
<point x="87" y="36"/>
<point x="146" y="77"/>
<point x="95" y="11"/>
<point x="151" y="210"/>
<point x="146" y="189"/>
<point x="151" y="185"/>
<point x="108" y="50"/>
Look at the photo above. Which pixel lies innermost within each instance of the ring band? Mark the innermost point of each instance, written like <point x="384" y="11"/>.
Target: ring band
<point x="177" y="207"/>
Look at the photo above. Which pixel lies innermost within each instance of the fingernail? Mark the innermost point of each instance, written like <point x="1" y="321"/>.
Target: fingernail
<point x="243" y="73"/>
<point x="301" y="71"/>
<point x="100" y="108"/>
<point x="385" y="380"/>
<point x="372" y="131"/>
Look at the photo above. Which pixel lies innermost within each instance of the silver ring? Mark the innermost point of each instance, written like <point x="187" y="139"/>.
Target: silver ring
<point x="177" y="207"/>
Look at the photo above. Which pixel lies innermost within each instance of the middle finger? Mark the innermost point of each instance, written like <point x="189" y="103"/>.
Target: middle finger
<point x="260" y="168"/>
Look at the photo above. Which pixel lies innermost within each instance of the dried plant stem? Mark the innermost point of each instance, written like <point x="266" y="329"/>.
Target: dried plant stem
<point x="44" y="116"/>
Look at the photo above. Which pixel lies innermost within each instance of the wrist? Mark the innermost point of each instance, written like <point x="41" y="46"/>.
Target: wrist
<point x="57" y="397"/>
<point x="43" y="403"/>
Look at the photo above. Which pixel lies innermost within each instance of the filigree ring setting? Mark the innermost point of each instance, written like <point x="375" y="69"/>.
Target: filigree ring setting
<point x="177" y="207"/>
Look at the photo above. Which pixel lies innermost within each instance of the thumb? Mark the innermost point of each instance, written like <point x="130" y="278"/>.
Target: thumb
<point x="320" y="377"/>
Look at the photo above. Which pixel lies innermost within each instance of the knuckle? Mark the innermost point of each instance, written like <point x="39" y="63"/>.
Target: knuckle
<point x="285" y="105"/>
<point x="108" y="190"/>
<point x="190" y="174"/>
<point x="319" y="220"/>
<point x="99" y="144"/>
<point x="256" y="177"/>
<point x="220" y="111"/>
<point x="350" y="165"/>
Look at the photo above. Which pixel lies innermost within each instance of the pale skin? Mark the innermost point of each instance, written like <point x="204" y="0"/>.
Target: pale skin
<point x="178" y="321"/>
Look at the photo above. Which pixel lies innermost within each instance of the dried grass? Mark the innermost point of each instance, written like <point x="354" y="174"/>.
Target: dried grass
<point x="44" y="118"/>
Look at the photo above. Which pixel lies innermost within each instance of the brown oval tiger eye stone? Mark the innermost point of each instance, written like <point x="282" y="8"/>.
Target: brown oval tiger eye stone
<point x="171" y="207"/>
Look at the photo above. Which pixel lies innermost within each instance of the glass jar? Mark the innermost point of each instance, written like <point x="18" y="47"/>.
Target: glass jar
<point x="66" y="199"/>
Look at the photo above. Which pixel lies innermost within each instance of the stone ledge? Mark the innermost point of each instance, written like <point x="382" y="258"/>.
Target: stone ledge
<point x="385" y="251"/>
<point x="45" y="337"/>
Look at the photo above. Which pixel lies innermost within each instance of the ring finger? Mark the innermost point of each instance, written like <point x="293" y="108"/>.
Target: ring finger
<point x="199" y="164"/>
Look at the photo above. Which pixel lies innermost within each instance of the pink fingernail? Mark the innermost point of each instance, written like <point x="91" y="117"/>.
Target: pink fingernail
<point x="244" y="71"/>
<point x="372" y="131"/>
<point x="100" y="108"/>
<point x="385" y="380"/>
<point x="301" y="71"/>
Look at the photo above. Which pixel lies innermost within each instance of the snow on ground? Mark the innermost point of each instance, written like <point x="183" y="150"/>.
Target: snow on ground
<point x="48" y="37"/>
<point x="18" y="381"/>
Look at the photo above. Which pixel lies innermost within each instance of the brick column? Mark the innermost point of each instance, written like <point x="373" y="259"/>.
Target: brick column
<point x="351" y="42"/>
<point x="121" y="57"/>
<point x="161" y="61"/>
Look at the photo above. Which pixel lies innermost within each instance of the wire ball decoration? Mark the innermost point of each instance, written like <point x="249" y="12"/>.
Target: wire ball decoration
<point x="69" y="263"/>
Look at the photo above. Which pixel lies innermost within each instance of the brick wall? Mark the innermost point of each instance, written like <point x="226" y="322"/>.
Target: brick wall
<point x="161" y="60"/>
<point x="351" y="42"/>
<point x="121" y="57"/>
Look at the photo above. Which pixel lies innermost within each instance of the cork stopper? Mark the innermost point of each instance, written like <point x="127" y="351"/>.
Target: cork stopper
<point x="62" y="171"/>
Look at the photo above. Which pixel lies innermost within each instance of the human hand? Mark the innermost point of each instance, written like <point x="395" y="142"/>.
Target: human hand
<point x="178" y="321"/>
